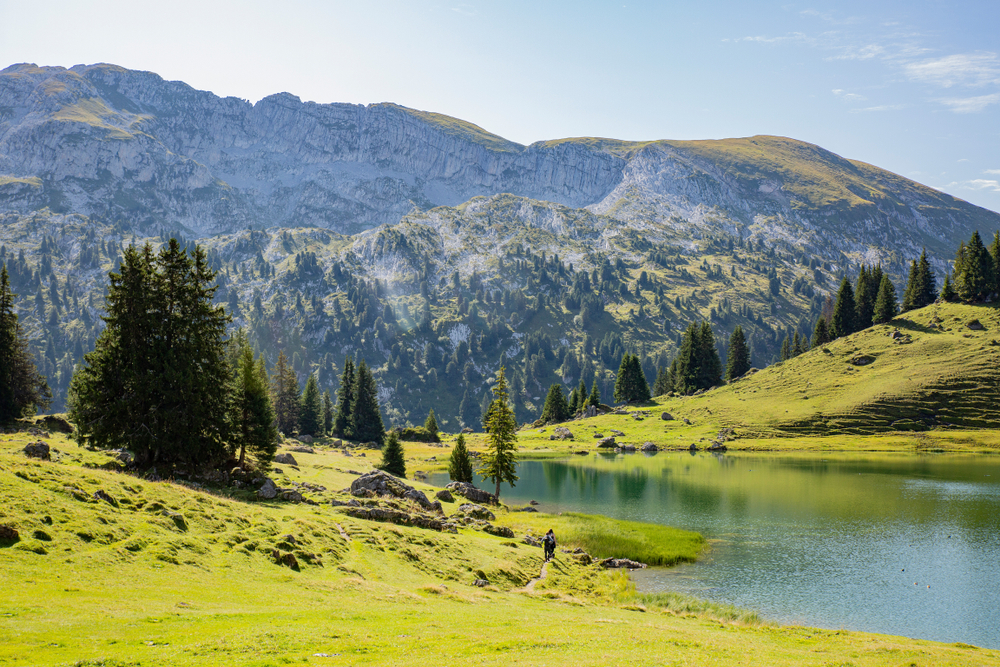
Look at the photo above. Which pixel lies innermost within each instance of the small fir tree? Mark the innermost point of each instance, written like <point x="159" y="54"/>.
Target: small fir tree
<point x="393" y="459"/>
<point x="974" y="271"/>
<point x="500" y="457"/>
<point x="595" y="394"/>
<point x="285" y="395"/>
<point x="948" y="293"/>
<point x="821" y="335"/>
<point x="345" y="399"/>
<point x="630" y="384"/>
<point x="885" y="304"/>
<point x="662" y="385"/>
<point x="910" y="293"/>
<point x="738" y="362"/>
<point x="311" y="408"/>
<point x="581" y="397"/>
<point x="925" y="289"/>
<point x="366" y="419"/>
<point x="328" y="412"/>
<point x="556" y="408"/>
<point x="430" y="424"/>
<point x="460" y="463"/>
<point x="254" y="426"/>
<point x="844" y="311"/>
<point x="22" y="388"/>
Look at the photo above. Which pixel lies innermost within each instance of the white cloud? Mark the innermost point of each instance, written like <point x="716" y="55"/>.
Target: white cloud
<point x="881" y="107"/>
<point x="850" y="97"/>
<point x="992" y="171"/>
<point x="971" y="69"/>
<point x="971" y="104"/>
<point x="976" y="184"/>
<point x="866" y="52"/>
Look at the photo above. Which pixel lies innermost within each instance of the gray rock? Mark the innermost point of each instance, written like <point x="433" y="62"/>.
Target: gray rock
<point x="477" y="512"/>
<point x="269" y="491"/>
<point x="101" y="495"/>
<point x="666" y="416"/>
<point x="38" y="450"/>
<point x="445" y="495"/>
<point x="616" y="432"/>
<point x="628" y="448"/>
<point x="398" y="517"/>
<point x="306" y="439"/>
<point x="649" y="447"/>
<point x="693" y="447"/>
<point x="975" y="325"/>
<point x="499" y="531"/>
<point x="9" y="533"/>
<point x="382" y="483"/>
<point x="531" y="541"/>
<point x="562" y="433"/>
<point x="291" y="496"/>
<point x="606" y="443"/>
<point x="286" y="459"/>
<point x="526" y="508"/>
<point x="481" y="583"/>
<point x="469" y="492"/>
<point x="621" y="563"/>
<point x="302" y="449"/>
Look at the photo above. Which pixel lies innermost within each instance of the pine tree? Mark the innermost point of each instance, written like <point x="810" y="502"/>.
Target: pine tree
<point x="630" y="384"/>
<point x="844" y="311"/>
<point x="22" y="389"/>
<point x="468" y="410"/>
<point x="460" y="464"/>
<point x="865" y="294"/>
<point x="710" y="366"/>
<point x="500" y="457"/>
<point x="738" y="361"/>
<point x="974" y="271"/>
<point x="430" y="424"/>
<point x="155" y="382"/>
<point x="311" y="408"/>
<point x="393" y="459"/>
<point x="885" y="304"/>
<point x="995" y="254"/>
<point x="345" y="399"/>
<point x="328" y="411"/>
<point x="910" y="293"/>
<point x="595" y="394"/>
<point x="254" y="429"/>
<point x="581" y="397"/>
<point x="786" y="349"/>
<point x="555" y="409"/>
<point x="687" y="361"/>
<point x="285" y="395"/>
<point x="821" y="335"/>
<point x="662" y="385"/>
<point x="948" y="293"/>
<point x="925" y="290"/>
<point x="366" y="419"/>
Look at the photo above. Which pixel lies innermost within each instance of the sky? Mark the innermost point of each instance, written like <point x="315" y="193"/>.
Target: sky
<point x="913" y="87"/>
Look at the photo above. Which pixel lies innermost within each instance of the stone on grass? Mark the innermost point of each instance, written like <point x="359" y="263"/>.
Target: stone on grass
<point x="286" y="459"/>
<point x="382" y="483"/>
<point x="8" y="533"/>
<point x="469" y="492"/>
<point x="499" y="531"/>
<point x="445" y="495"/>
<point x="666" y="416"/>
<point x="606" y="443"/>
<point x="269" y="491"/>
<point x="38" y="450"/>
<point x="307" y="439"/>
<point x="621" y="563"/>
<point x="649" y="447"/>
<point x="562" y="433"/>
<point x="477" y="512"/>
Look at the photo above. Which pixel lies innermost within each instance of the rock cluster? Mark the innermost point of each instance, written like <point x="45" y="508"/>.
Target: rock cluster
<point x="381" y="483"/>
<point x="621" y="563"/>
<point x="469" y="492"/>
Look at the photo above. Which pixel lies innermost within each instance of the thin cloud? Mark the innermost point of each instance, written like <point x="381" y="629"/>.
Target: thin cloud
<point x="962" y="69"/>
<point x="976" y="184"/>
<point x="992" y="171"/>
<point x="881" y="107"/>
<point x="850" y="97"/>
<point x="866" y="52"/>
<point x="971" y="104"/>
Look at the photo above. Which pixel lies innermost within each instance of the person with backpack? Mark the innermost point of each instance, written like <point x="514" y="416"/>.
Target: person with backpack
<point x="549" y="543"/>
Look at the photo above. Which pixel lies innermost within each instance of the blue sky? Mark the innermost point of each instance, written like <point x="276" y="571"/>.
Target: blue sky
<point x="913" y="87"/>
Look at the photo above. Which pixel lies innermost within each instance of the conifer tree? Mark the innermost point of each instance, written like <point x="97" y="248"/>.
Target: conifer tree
<point x="555" y="408"/>
<point x="366" y="419"/>
<point x="393" y="458"/>
<point x="328" y="412"/>
<point x="285" y="395"/>
<point x="662" y="385"/>
<point x="22" y="389"/>
<point x="738" y="361"/>
<point x="581" y="397"/>
<point x="844" y="311"/>
<point x="910" y="293"/>
<point x="995" y="255"/>
<point x="864" y="297"/>
<point x="710" y="366"/>
<point x="155" y="382"/>
<point x="460" y="463"/>
<point x="430" y="424"/>
<point x="254" y="428"/>
<point x="948" y="293"/>
<point x="885" y="304"/>
<point x="595" y="394"/>
<point x="925" y="290"/>
<point x="974" y="271"/>
<point x="500" y="457"/>
<point x="468" y="410"/>
<point x="786" y="349"/>
<point x="630" y="384"/>
<point x="821" y="335"/>
<point x="311" y="408"/>
<point x="345" y="399"/>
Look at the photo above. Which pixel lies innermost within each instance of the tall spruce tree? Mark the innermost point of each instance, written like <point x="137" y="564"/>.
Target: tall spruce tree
<point x="285" y="395"/>
<point x="556" y="409"/>
<point x="311" y="408"/>
<point x="393" y="458"/>
<point x="254" y="429"/>
<point x="821" y="335"/>
<point x="995" y="254"/>
<point x="738" y="361"/>
<point x="630" y="384"/>
<point x="864" y="296"/>
<point x="366" y="419"/>
<point x="885" y="304"/>
<point x="710" y="366"/>
<point x="460" y="463"/>
<point x="595" y="394"/>
<point x="974" y="271"/>
<point x="23" y="389"/>
<point x="468" y="410"/>
<point x="663" y="384"/>
<point x="430" y="424"/>
<point x="581" y="397"/>
<point x="500" y="457"/>
<point x="925" y="289"/>
<point x="328" y="412"/>
<point x="910" y="293"/>
<point x="948" y="293"/>
<point x="844" y="311"/>
<point x="786" y="349"/>
<point x="155" y="382"/>
<point x="345" y="399"/>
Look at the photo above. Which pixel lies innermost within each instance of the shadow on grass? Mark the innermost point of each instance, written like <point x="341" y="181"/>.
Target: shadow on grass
<point x="910" y="325"/>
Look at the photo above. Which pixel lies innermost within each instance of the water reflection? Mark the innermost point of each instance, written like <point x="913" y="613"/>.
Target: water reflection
<point x="889" y="543"/>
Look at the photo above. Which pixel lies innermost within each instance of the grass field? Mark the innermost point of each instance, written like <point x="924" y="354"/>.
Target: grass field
<point x="169" y="574"/>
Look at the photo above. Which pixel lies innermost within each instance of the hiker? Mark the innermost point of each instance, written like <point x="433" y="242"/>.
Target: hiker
<point x="549" y="542"/>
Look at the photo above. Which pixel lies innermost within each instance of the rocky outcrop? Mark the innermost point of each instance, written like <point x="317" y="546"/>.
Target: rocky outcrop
<point x="470" y="492"/>
<point x="381" y="483"/>
<point x="400" y="518"/>
<point x="612" y="563"/>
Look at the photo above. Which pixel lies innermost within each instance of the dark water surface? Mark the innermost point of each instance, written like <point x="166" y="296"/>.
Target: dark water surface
<point x="890" y="543"/>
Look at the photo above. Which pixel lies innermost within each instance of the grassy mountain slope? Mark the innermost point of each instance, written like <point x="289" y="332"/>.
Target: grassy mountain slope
<point x="174" y="574"/>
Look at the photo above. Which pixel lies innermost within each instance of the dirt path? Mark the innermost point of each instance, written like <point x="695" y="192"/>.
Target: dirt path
<point x="343" y="533"/>
<point x="530" y="588"/>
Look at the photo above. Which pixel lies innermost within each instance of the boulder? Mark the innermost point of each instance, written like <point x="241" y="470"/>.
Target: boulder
<point x="666" y="416"/>
<point x="606" y="443"/>
<point x="531" y="541"/>
<point x="269" y="490"/>
<point x="302" y="449"/>
<point x="693" y="447"/>
<point x="481" y="583"/>
<point x="621" y="563"/>
<point x="628" y="448"/>
<point x="382" y="483"/>
<point x="649" y="447"/>
<point x="861" y="360"/>
<point x="38" y="450"/>
<point x="499" y="531"/>
<point x="616" y="432"/>
<point x="590" y="411"/>
<point x="101" y="495"/>
<point x="975" y="325"/>
<point x="54" y="423"/>
<point x="291" y="496"/>
<point x="526" y="508"/>
<point x="470" y="492"/>
<point x="562" y="433"/>
<point x="286" y="459"/>
<point x="445" y="495"/>
<point x="467" y="430"/>
<point x="598" y="435"/>
<point x="477" y="512"/>
<point x="305" y="439"/>
<point x="388" y="515"/>
<point x="9" y="533"/>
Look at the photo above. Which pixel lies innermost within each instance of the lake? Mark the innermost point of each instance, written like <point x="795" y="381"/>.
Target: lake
<point x="890" y="543"/>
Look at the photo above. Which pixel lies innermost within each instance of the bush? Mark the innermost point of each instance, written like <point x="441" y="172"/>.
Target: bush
<point x="416" y="434"/>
